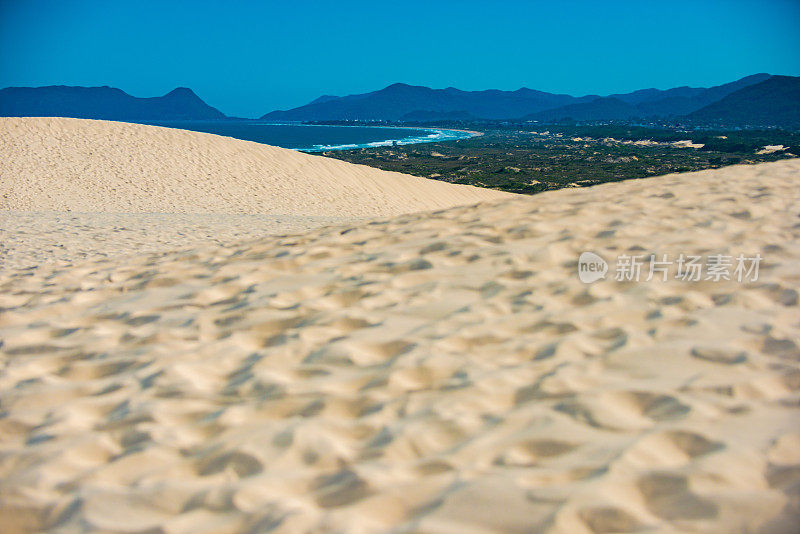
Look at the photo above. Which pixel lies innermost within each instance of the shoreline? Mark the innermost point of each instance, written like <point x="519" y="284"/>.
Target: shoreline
<point x="377" y="144"/>
<point x="454" y="134"/>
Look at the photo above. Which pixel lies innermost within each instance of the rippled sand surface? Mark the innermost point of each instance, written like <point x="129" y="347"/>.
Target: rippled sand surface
<point x="439" y="372"/>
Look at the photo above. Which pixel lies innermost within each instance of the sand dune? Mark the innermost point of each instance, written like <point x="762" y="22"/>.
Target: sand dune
<point x="60" y="164"/>
<point x="440" y="372"/>
<point x="73" y="189"/>
<point x="31" y="238"/>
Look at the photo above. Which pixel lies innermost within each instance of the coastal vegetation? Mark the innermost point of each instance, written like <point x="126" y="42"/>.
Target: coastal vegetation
<point x="527" y="158"/>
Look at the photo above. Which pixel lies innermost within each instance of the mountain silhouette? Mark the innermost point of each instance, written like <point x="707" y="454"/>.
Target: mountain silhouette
<point x="102" y="103"/>
<point x="756" y="100"/>
<point x="400" y="101"/>
<point x="773" y="102"/>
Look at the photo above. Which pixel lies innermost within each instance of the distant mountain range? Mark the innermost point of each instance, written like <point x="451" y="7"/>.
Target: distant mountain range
<point x="399" y="100"/>
<point x="102" y="103"/>
<point x="774" y="102"/>
<point x="647" y="103"/>
<point x="757" y="100"/>
<point x="408" y="102"/>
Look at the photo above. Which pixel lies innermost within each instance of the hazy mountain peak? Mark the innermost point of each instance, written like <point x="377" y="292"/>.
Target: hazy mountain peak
<point x="399" y="85"/>
<point x="323" y="98"/>
<point x="182" y="92"/>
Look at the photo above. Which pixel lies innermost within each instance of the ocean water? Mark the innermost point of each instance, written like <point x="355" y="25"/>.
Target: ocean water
<point x="317" y="138"/>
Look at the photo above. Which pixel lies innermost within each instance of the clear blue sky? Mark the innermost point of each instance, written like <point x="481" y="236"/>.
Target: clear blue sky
<point x="247" y="58"/>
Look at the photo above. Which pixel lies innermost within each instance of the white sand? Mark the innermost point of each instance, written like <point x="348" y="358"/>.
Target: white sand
<point x="440" y="372"/>
<point x="31" y="238"/>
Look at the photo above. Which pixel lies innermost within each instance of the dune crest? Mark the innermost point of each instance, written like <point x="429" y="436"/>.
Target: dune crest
<point x="80" y="165"/>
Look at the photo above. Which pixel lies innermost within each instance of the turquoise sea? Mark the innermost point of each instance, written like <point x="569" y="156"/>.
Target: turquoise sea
<point x="317" y="138"/>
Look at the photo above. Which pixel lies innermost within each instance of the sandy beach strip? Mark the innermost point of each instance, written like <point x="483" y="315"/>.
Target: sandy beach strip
<point x="440" y="372"/>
